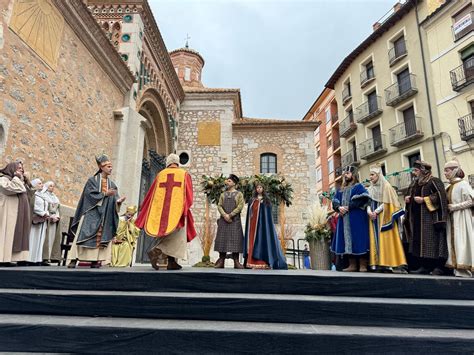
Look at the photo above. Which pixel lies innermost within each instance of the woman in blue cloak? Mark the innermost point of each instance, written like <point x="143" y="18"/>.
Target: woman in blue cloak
<point x="262" y="248"/>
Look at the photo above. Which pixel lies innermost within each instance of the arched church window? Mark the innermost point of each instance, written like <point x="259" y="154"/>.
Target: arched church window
<point x="187" y="74"/>
<point x="268" y="163"/>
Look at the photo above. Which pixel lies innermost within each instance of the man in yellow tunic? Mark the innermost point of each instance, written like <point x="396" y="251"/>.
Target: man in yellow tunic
<point x="125" y="241"/>
<point x="166" y="214"/>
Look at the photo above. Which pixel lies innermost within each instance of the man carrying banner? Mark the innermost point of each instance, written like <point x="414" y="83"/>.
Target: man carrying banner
<point x="165" y="213"/>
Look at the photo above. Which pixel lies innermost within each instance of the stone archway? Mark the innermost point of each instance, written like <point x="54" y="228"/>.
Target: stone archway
<point x="158" y="136"/>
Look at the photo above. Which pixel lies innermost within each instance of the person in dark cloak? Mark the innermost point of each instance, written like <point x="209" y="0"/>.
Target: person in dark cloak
<point x="97" y="216"/>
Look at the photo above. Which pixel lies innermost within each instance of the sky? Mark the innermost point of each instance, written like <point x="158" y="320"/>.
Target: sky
<point x="279" y="53"/>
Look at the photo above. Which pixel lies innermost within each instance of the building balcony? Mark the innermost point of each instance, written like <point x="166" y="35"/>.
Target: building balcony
<point x="463" y="75"/>
<point x="350" y="158"/>
<point x="401" y="181"/>
<point x="336" y="143"/>
<point x="369" y="110"/>
<point x="346" y="95"/>
<point x="463" y="27"/>
<point x="347" y="126"/>
<point x="401" y="90"/>
<point x="335" y="119"/>
<point x="466" y="127"/>
<point x="397" y="53"/>
<point x="372" y="147"/>
<point x="406" y="132"/>
<point x="366" y="77"/>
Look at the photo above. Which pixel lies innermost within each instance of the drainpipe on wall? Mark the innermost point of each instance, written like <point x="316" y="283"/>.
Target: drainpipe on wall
<point x="425" y="74"/>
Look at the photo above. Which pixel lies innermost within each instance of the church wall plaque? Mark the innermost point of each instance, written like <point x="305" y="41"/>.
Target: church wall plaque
<point x="209" y="133"/>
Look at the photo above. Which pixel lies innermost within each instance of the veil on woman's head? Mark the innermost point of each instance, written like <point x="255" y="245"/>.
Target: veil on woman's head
<point x="51" y="196"/>
<point x="382" y="191"/>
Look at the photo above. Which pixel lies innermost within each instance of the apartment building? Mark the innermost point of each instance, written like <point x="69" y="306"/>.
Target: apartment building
<point x="326" y="141"/>
<point x="449" y="45"/>
<point x="381" y="87"/>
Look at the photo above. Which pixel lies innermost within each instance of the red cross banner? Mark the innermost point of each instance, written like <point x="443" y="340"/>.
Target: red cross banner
<point x="167" y="204"/>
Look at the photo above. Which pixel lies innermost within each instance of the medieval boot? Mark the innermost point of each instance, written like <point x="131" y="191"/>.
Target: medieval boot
<point x="72" y="264"/>
<point x="362" y="265"/>
<point x="153" y="256"/>
<point x="237" y="264"/>
<point x="220" y="263"/>
<point x="172" y="264"/>
<point x="352" y="266"/>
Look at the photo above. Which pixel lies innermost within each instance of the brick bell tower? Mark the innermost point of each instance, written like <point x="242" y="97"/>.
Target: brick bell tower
<point x="188" y="64"/>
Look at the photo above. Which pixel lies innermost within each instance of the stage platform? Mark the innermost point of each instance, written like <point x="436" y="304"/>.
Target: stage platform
<point x="196" y="310"/>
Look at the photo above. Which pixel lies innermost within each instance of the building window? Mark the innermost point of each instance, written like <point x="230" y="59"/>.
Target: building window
<point x="187" y="74"/>
<point x="328" y="116"/>
<point x="319" y="175"/>
<point x="372" y="100"/>
<point x="329" y="143"/>
<point x="369" y="69"/>
<point x="377" y="137"/>
<point x="412" y="158"/>
<point x="268" y="163"/>
<point x="331" y="165"/>
<point x="318" y="152"/>
<point x="463" y="23"/>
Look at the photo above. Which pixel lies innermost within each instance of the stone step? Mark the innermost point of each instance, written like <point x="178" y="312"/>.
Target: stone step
<point x="297" y="309"/>
<point x="298" y="282"/>
<point x="27" y="333"/>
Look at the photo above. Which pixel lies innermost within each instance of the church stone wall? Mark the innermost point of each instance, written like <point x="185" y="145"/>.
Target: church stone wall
<point x="295" y="161"/>
<point x="204" y="159"/>
<point x="55" y="120"/>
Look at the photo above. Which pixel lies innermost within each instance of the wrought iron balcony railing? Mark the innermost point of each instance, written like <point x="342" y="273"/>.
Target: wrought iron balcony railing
<point x="401" y="181"/>
<point x="401" y="90"/>
<point x="406" y="131"/>
<point x="463" y="75"/>
<point x="397" y="52"/>
<point x="467" y="25"/>
<point x="346" y="95"/>
<point x="466" y="127"/>
<point x="372" y="147"/>
<point x="369" y="110"/>
<point x="336" y="143"/>
<point x="366" y="76"/>
<point x="347" y="126"/>
<point x="350" y="158"/>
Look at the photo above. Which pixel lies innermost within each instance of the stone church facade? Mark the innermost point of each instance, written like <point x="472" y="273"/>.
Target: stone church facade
<point x="78" y="78"/>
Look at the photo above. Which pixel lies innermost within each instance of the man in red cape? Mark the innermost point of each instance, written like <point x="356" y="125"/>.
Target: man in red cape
<point x="165" y="213"/>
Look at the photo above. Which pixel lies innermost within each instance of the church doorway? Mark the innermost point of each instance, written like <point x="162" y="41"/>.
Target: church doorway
<point x="157" y="145"/>
<point x="150" y="168"/>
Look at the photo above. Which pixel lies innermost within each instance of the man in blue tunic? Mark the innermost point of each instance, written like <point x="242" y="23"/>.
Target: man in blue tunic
<point x="352" y="232"/>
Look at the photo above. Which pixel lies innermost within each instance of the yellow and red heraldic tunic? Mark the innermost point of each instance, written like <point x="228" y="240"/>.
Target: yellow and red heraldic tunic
<point x="166" y="209"/>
